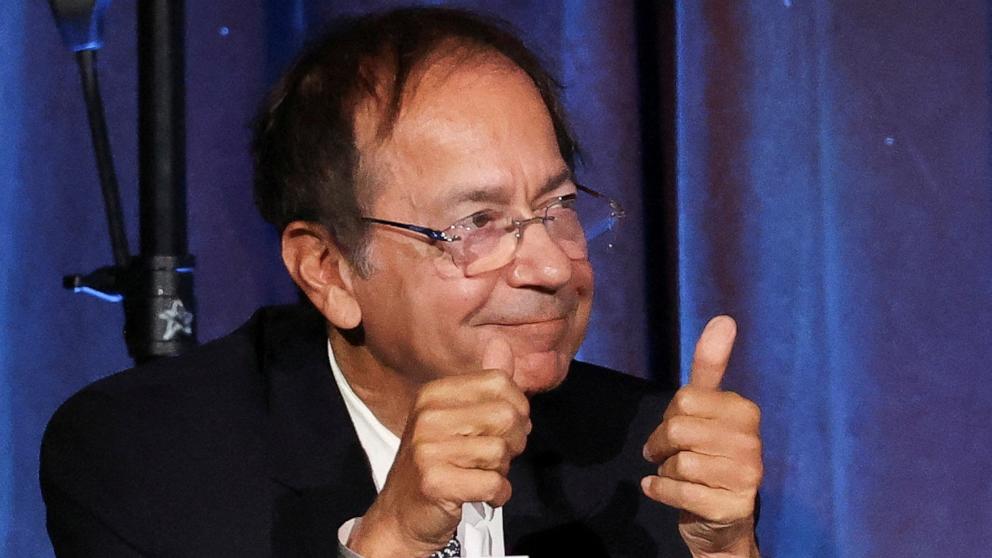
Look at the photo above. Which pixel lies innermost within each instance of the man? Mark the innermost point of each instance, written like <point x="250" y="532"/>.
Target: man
<point x="419" y="167"/>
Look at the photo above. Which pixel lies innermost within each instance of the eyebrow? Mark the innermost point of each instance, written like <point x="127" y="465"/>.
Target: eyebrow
<point x="499" y="195"/>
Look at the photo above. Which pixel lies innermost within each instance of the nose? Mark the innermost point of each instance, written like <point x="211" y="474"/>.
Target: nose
<point x="539" y="261"/>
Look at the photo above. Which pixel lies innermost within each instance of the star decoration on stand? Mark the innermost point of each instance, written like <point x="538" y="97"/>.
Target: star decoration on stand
<point x="177" y="319"/>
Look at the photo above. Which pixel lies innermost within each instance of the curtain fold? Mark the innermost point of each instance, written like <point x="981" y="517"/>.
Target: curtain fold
<point x="834" y="196"/>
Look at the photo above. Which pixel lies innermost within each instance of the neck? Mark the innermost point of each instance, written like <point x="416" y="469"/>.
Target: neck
<point x="386" y="392"/>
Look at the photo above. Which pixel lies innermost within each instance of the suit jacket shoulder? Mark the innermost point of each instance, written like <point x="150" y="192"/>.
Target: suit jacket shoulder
<point x="145" y="459"/>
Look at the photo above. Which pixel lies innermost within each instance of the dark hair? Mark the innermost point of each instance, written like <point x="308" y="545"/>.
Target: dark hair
<point x="306" y="160"/>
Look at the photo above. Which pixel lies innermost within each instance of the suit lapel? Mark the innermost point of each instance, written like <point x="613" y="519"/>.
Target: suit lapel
<point x="550" y="479"/>
<point x="321" y="472"/>
<point x="537" y="506"/>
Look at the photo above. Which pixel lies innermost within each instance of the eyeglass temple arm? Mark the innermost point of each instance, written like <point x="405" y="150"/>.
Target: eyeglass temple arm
<point x="618" y="210"/>
<point x="428" y="232"/>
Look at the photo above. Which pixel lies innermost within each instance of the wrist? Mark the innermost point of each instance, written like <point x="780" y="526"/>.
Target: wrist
<point x="714" y="540"/>
<point x="746" y="547"/>
<point x="744" y="551"/>
<point x="381" y="535"/>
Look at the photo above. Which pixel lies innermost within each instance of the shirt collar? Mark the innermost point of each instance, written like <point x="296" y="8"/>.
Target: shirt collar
<point x="379" y="443"/>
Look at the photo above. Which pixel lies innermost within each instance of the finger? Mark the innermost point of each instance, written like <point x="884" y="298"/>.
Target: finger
<point x="675" y="434"/>
<point x="471" y="389"/>
<point x="739" y="413"/>
<point x="711" y="504"/>
<point x="453" y="484"/>
<point x="713" y="352"/>
<point x="491" y="453"/>
<point x="696" y="402"/>
<point x="498" y="355"/>
<point x="706" y="436"/>
<point x="712" y="471"/>
<point x="495" y="418"/>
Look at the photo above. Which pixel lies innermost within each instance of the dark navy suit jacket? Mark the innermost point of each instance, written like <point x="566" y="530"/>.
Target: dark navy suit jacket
<point x="243" y="447"/>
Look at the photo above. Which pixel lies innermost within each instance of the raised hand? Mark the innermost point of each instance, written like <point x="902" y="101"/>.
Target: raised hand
<point x="708" y="448"/>
<point x="459" y="439"/>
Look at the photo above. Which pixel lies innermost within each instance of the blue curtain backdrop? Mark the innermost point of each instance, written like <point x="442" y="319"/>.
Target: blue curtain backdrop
<point x="835" y="195"/>
<point x="827" y="167"/>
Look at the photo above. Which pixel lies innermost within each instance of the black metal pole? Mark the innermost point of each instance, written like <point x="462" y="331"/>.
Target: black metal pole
<point x="161" y="123"/>
<point x="159" y="304"/>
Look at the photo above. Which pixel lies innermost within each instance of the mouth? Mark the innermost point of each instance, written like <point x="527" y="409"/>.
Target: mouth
<point x="528" y="322"/>
<point x="533" y="335"/>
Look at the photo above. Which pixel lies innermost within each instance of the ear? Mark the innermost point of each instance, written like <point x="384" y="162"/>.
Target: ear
<point x="318" y="266"/>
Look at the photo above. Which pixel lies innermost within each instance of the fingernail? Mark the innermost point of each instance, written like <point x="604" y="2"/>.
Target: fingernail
<point x="646" y="484"/>
<point x="646" y="453"/>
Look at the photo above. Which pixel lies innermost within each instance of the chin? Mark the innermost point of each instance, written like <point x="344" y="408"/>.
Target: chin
<point x="540" y="372"/>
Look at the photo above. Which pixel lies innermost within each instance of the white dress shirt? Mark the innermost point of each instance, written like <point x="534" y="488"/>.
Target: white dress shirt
<point x="480" y="531"/>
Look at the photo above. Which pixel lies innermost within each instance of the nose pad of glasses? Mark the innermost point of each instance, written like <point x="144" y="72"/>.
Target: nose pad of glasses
<point x="500" y="256"/>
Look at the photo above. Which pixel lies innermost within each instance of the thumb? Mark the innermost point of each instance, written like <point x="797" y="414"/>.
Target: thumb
<point x="498" y="356"/>
<point x="713" y="353"/>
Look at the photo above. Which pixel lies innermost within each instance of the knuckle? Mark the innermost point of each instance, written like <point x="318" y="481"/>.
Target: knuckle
<point x="751" y="444"/>
<point x="673" y="429"/>
<point x="506" y="493"/>
<point x="428" y="418"/>
<point x="516" y="445"/>
<point x="684" y="464"/>
<point x="431" y="483"/>
<point x="753" y="410"/>
<point x="733" y="396"/>
<point x="492" y="483"/>
<point x="684" y="492"/>
<point x="683" y="400"/>
<point x="498" y="449"/>
<point x="426" y="396"/>
<point x="753" y="474"/>
<point x="424" y="454"/>
<point x="504" y="416"/>
<point x="655" y="490"/>
<point x="525" y="405"/>
<point x="421" y="403"/>
<point x="744" y="507"/>
<point x="501" y="491"/>
<point x="746" y="408"/>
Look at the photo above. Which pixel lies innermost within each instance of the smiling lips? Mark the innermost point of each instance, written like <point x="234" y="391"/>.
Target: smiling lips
<point x="535" y="335"/>
<point x="528" y="321"/>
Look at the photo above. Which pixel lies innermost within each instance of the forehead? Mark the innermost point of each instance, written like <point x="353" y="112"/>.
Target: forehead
<point x="465" y="124"/>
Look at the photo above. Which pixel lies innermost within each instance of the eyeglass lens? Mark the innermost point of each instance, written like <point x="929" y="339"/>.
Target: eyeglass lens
<point x="489" y="243"/>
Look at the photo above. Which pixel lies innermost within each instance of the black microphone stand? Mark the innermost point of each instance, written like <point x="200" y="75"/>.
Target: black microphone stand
<point x="157" y="285"/>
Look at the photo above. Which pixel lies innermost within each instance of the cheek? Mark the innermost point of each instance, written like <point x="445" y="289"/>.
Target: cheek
<point x="583" y="282"/>
<point x="415" y="318"/>
<point x="540" y="372"/>
<point x="449" y="308"/>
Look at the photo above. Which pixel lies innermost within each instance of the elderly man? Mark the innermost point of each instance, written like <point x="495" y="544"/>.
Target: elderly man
<point x="419" y="166"/>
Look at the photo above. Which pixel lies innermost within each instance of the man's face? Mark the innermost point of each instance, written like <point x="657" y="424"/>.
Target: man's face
<point x="470" y="138"/>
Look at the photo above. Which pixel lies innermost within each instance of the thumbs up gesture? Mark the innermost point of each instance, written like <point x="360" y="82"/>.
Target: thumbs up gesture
<point x="708" y="452"/>
<point x="460" y="436"/>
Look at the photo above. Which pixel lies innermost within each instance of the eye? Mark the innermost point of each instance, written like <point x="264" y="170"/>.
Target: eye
<point x="562" y="202"/>
<point x="481" y="219"/>
<point x="568" y="202"/>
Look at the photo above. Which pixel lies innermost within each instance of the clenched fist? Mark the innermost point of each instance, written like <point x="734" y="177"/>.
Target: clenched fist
<point x="459" y="439"/>
<point x="708" y="451"/>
